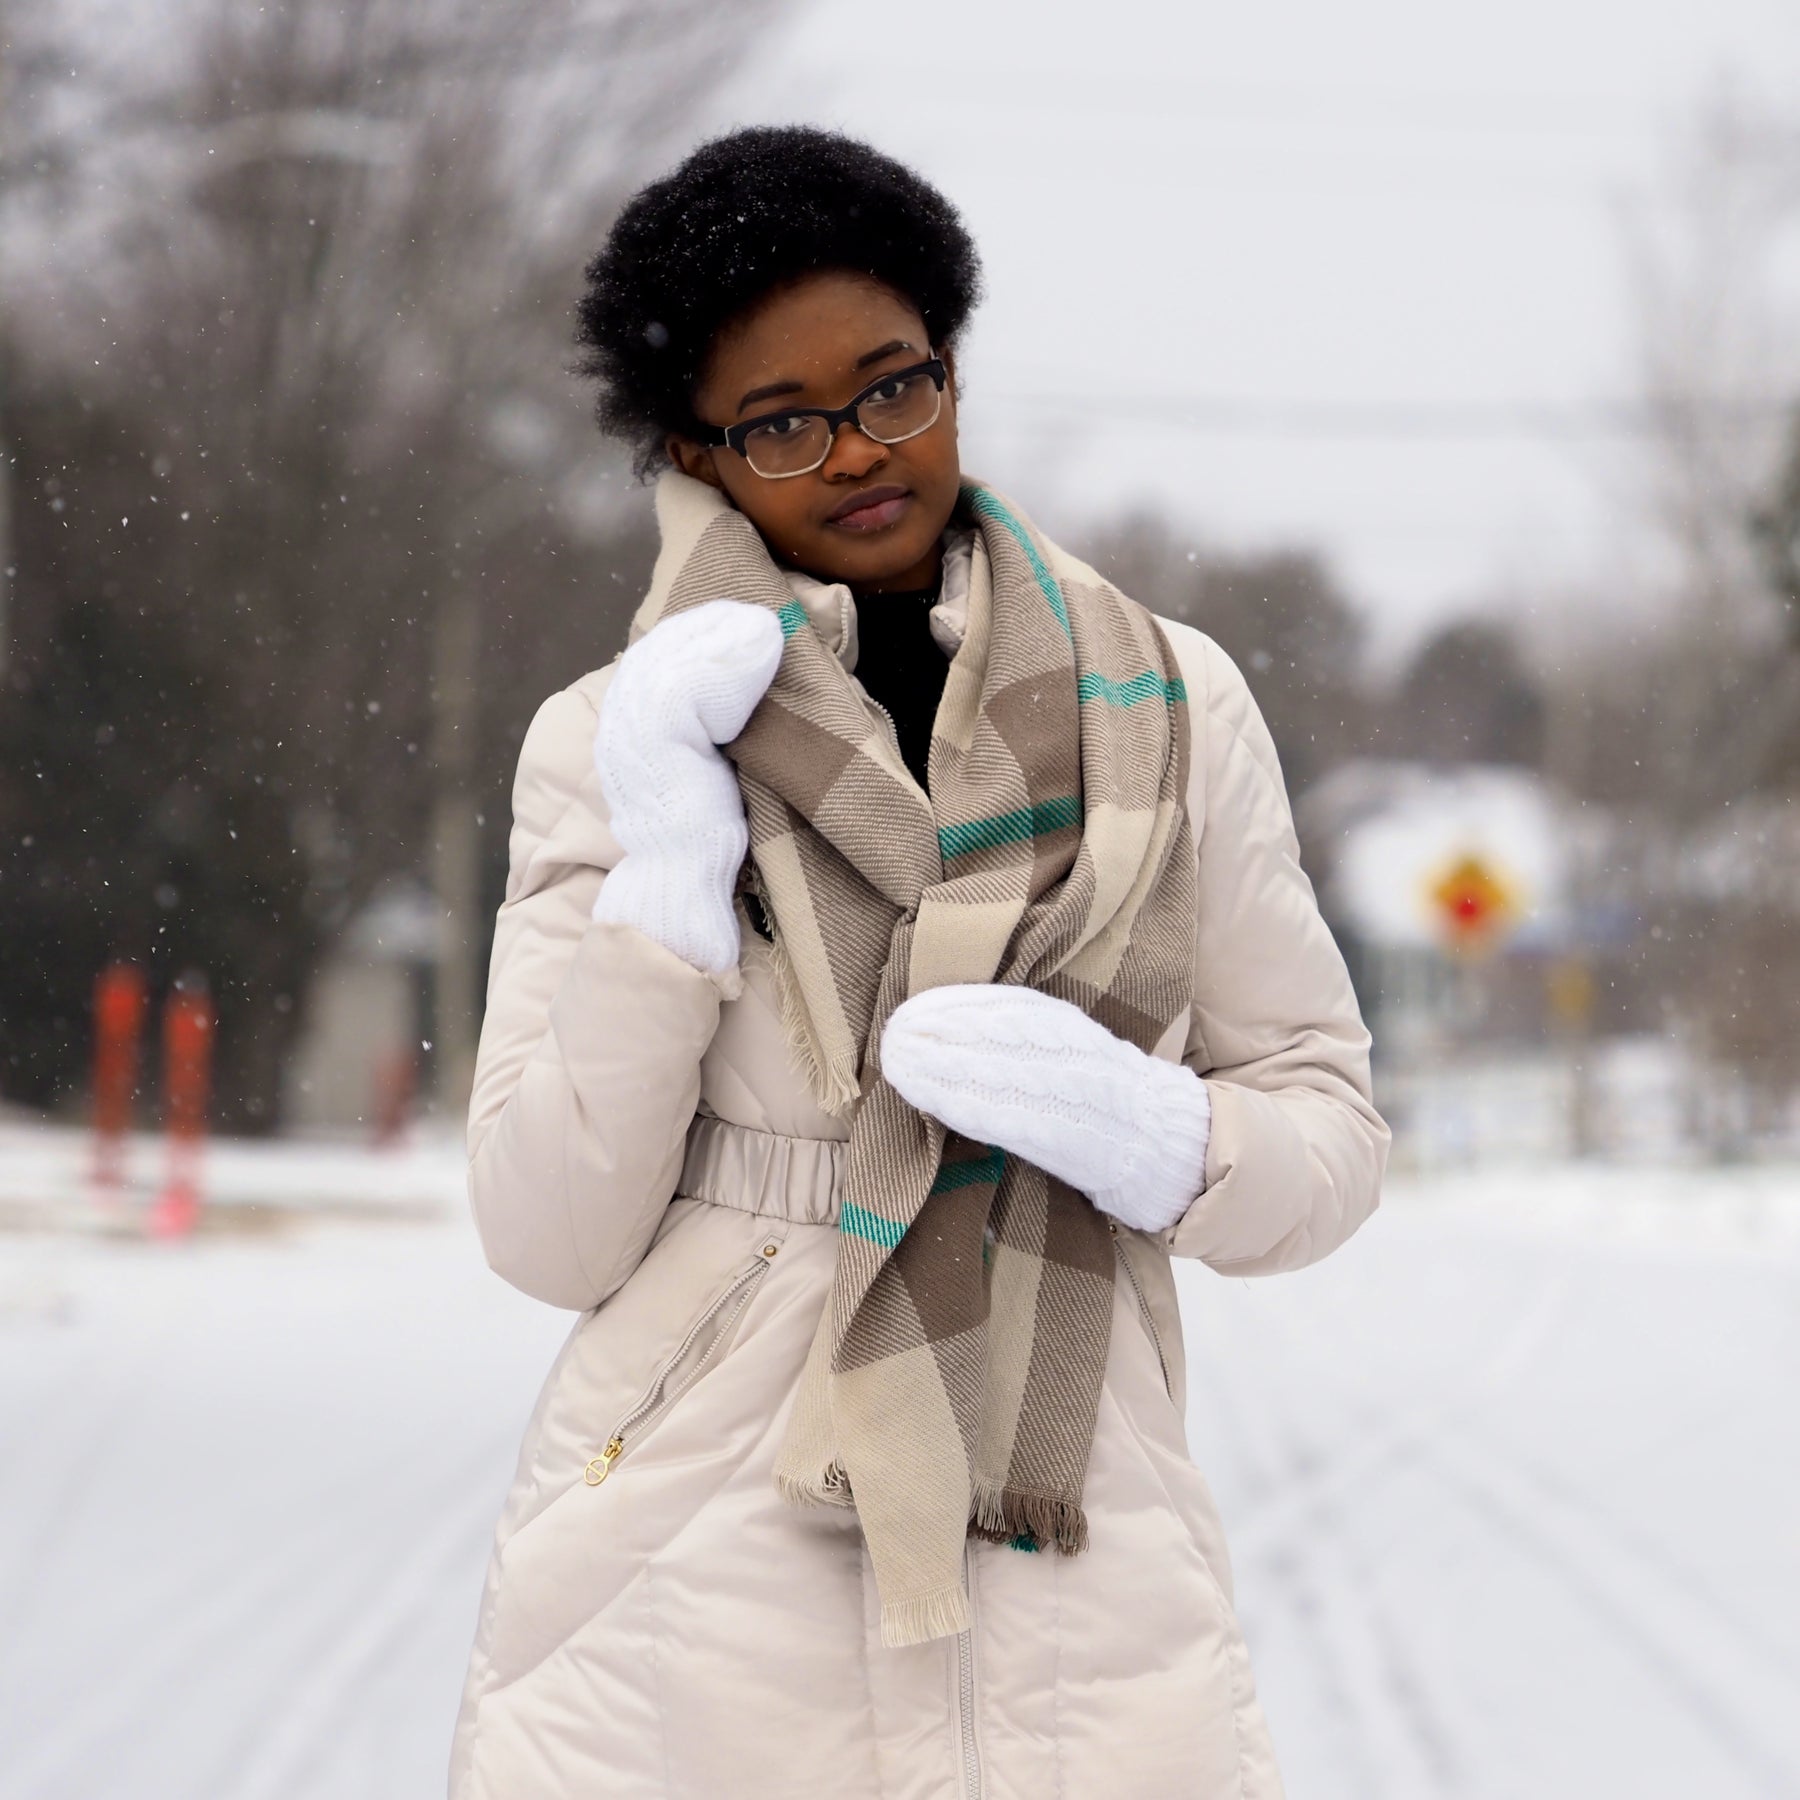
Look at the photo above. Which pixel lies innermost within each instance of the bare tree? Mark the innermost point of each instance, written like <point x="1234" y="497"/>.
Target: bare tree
<point x="1690" y="730"/>
<point x="1721" y="361"/>
<point x="1280" y="614"/>
<point x="309" y="283"/>
<point x="1466" y="696"/>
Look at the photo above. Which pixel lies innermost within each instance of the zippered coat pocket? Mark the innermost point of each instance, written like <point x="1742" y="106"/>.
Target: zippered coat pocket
<point x="1144" y="1311"/>
<point x="699" y="1349"/>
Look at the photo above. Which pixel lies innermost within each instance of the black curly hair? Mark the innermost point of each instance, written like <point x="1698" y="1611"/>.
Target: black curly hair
<point x="744" y="215"/>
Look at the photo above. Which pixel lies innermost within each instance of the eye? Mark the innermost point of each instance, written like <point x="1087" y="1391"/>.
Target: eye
<point x="889" y="390"/>
<point x="784" y="426"/>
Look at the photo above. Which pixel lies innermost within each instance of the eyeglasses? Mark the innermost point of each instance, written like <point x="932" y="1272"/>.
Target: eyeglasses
<point x="797" y="441"/>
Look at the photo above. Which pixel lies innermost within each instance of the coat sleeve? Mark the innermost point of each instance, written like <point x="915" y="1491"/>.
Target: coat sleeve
<point x="588" y="1071"/>
<point x="1297" y="1150"/>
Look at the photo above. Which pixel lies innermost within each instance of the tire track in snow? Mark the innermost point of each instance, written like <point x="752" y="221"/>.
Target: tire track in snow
<point x="68" y="1449"/>
<point x="145" y="1639"/>
<point x="96" y="1728"/>
<point x="1657" y="1634"/>
<point x="1369" y="1686"/>
<point x="1725" y="1673"/>
<point x="277" y="1762"/>
<point x="1385" y="1441"/>
<point x="1403" y="1711"/>
<point x="290" y="1725"/>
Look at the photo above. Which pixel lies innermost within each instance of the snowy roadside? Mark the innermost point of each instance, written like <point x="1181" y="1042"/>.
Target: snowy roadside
<point x="1509" y="1482"/>
<point x="46" y="1183"/>
<point x="47" y="1179"/>
<point x="1747" y="1209"/>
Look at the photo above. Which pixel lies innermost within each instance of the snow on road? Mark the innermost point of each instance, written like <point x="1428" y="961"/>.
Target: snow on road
<point x="1513" y="1488"/>
<point x="1512" y="1484"/>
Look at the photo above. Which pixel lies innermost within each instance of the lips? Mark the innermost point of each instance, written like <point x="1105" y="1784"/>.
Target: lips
<point x="870" y="509"/>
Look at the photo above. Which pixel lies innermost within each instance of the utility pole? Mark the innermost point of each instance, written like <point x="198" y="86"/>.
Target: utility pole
<point x="8" y="114"/>
<point x="456" y="844"/>
<point x="6" y="535"/>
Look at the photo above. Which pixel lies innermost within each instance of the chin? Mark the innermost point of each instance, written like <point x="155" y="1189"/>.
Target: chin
<point x="885" y="568"/>
<point x="882" y="562"/>
<point x="870" y="563"/>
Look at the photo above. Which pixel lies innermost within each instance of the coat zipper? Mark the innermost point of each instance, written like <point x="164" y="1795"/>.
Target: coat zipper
<point x="1137" y="1287"/>
<point x="660" y="1394"/>
<point x="893" y="730"/>
<point x="965" y="1687"/>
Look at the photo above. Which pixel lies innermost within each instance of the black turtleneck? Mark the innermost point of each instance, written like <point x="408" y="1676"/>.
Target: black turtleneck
<point x="899" y="665"/>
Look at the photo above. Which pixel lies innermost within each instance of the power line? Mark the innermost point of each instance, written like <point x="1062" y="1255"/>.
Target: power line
<point x="1075" y="95"/>
<point x="1467" y="420"/>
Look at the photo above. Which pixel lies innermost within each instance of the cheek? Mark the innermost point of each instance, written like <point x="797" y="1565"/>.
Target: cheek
<point x="935" y="467"/>
<point x="780" y="510"/>
<point x="938" y="457"/>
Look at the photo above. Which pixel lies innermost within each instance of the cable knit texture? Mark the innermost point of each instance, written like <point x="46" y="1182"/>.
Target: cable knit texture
<point x="1036" y="1076"/>
<point x="680" y="691"/>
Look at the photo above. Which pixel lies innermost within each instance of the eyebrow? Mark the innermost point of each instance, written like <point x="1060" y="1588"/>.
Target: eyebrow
<point x="875" y="356"/>
<point x="776" y="389"/>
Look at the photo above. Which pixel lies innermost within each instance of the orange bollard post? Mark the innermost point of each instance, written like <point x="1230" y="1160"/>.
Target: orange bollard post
<point x="187" y="1074"/>
<point x="120" y="1001"/>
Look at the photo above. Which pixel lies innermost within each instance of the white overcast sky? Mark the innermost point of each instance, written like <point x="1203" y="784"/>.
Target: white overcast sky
<point x="1317" y="224"/>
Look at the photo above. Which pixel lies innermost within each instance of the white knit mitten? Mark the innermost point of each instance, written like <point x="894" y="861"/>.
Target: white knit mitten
<point x="688" y="684"/>
<point x="1039" y="1078"/>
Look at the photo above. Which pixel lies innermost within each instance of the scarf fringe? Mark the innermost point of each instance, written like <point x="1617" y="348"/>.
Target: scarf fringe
<point x="836" y="1092"/>
<point x="1003" y="1514"/>
<point x="942" y="1613"/>
<point x="830" y="1489"/>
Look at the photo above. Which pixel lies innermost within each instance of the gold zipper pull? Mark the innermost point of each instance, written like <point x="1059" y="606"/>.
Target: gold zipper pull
<point x="599" y="1467"/>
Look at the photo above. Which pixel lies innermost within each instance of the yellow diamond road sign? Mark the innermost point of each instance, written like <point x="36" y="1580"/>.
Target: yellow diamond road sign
<point x="1473" y="903"/>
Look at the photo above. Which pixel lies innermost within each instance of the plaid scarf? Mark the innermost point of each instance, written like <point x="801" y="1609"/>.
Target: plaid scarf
<point x="955" y="1377"/>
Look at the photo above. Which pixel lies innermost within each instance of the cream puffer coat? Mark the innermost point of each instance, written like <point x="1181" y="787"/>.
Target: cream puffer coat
<point x="657" y="1621"/>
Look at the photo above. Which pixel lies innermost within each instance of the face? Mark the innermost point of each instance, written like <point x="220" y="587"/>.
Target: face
<point x="870" y="514"/>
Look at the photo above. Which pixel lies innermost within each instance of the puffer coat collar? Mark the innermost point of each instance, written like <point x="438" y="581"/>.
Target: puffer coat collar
<point x="683" y="509"/>
<point x="830" y="607"/>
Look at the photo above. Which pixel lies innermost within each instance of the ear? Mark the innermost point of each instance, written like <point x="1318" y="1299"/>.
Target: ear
<point x="693" y="459"/>
<point x="947" y="357"/>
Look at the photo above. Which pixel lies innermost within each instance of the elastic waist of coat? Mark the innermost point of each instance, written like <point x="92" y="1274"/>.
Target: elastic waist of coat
<point x="762" y="1172"/>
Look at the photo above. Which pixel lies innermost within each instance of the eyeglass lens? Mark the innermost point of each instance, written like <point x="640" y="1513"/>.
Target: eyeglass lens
<point x="890" y="412"/>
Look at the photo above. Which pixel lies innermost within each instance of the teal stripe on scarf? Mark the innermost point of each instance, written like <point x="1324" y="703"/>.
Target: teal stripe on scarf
<point x="979" y="1171"/>
<point x="981" y="501"/>
<point x="1148" y="686"/>
<point x="860" y="1222"/>
<point x="1009" y="828"/>
<point x="792" y="617"/>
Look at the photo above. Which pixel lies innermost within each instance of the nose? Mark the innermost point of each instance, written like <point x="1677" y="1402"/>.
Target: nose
<point x="853" y="454"/>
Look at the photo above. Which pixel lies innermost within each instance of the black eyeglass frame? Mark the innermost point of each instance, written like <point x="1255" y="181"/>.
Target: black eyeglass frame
<point x="733" y="437"/>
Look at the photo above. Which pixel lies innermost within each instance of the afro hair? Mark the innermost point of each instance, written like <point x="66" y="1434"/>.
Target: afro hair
<point x="744" y="215"/>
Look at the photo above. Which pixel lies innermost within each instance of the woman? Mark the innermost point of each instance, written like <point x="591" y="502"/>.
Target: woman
<point x="905" y="953"/>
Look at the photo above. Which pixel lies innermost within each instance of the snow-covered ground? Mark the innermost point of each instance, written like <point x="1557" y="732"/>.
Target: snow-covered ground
<point x="1512" y="1481"/>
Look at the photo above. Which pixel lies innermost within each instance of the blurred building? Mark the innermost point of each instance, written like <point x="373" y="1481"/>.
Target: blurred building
<point x="365" y="1042"/>
<point x="1465" y="899"/>
<point x="1449" y="888"/>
